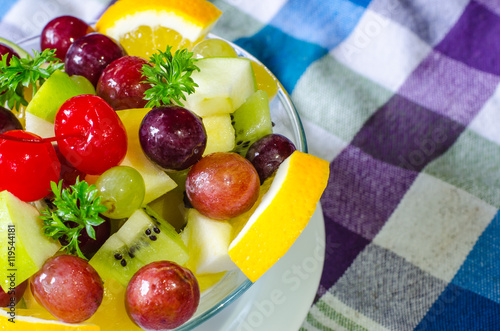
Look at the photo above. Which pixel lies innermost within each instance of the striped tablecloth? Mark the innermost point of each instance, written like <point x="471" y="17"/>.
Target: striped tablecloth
<point x="402" y="97"/>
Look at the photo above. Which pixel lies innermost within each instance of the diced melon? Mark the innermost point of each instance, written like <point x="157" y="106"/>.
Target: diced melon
<point x="208" y="242"/>
<point x="220" y="133"/>
<point x="156" y="180"/>
<point x="224" y="83"/>
<point x="23" y="247"/>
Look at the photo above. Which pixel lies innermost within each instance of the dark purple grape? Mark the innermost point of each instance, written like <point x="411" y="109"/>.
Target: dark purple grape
<point x="12" y="296"/>
<point x="8" y="121"/>
<point x="87" y="245"/>
<point x="89" y="55"/>
<point x="121" y="83"/>
<point x="172" y="137"/>
<point x="61" y="32"/>
<point x="4" y="49"/>
<point x="267" y="153"/>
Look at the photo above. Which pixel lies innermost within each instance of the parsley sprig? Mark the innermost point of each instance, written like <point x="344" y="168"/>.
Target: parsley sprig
<point x="23" y="72"/>
<point x="170" y="77"/>
<point x="79" y="203"/>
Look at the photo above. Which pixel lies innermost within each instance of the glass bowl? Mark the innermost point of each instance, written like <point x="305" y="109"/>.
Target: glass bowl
<point x="234" y="283"/>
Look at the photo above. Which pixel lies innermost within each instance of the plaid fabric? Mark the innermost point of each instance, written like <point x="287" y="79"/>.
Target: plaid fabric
<point x="402" y="97"/>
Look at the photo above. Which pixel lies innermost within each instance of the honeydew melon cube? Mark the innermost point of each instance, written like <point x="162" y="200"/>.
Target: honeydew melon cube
<point x="23" y="247"/>
<point x="157" y="182"/>
<point x="224" y="83"/>
<point x="58" y="88"/>
<point x="208" y="241"/>
<point x="220" y="133"/>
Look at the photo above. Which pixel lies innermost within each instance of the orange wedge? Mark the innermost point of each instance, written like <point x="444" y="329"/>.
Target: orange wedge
<point x="29" y="323"/>
<point x="282" y="214"/>
<point x="143" y="26"/>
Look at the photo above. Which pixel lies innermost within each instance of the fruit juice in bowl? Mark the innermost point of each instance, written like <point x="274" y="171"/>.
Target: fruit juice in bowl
<point x="250" y="243"/>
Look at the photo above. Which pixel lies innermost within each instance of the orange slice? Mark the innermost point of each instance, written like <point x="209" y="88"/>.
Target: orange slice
<point x="144" y="26"/>
<point x="20" y="322"/>
<point x="282" y="214"/>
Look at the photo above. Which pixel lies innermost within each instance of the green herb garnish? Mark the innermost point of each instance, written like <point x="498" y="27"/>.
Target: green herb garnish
<point x="23" y="72"/>
<point x="79" y="203"/>
<point x="170" y="76"/>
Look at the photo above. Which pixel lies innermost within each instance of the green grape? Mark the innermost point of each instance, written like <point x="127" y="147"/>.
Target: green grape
<point x="122" y="190"/>
<point x="213" y="48"/>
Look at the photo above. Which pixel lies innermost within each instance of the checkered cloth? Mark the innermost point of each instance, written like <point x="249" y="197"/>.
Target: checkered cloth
<point x="401" y="96"/>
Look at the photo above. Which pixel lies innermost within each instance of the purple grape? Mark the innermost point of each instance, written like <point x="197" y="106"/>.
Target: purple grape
<point x="172" y="137"/>
<point x="121" y="83"/>
<point x="8" y="121"/>
<point x="267" y="153"/>
<point x="89" y="55"/>
<point x="61" y="32"/>
<point x="4" y="49"/>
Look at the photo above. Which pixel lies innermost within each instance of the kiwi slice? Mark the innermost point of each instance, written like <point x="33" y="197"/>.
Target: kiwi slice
<point x="251" y="121"/>
<point x="143" y="239"/>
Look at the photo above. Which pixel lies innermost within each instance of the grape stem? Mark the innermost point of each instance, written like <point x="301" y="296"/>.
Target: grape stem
<point x="41" y="140"/>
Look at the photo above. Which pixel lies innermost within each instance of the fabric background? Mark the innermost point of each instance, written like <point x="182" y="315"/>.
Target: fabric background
<point x="401" y="96"/>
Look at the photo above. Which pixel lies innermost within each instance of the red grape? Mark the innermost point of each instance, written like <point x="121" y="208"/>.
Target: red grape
<point x="99" y="139"/>
<point x="27" y="168"/>
<point x="4" y="49"/>
<point x="121" y="83"/>
<point x="162" y="295"/>
<point x="12" y="296"/>
<point x="267" y="153"/>
<point x="172" y="137"/>
<point x="68" y="287"/>
<point x="89" y="55"/>
<point x="61" y="32"/>
<point x="8" y="121"/>
<point x="222" y="185"/>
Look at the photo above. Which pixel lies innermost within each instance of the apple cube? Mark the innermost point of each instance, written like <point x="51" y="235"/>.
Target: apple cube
<point x="23" y="247"/>
<point x="208" y="241"/>
<point x="224" y="83"/>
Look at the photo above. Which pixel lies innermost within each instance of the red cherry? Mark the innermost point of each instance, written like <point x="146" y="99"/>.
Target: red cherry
<point x="26" y="169"/>
<point x="102" y="141"/>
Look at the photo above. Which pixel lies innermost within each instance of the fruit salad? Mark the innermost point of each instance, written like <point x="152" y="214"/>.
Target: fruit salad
<point x="138" y="166"/>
